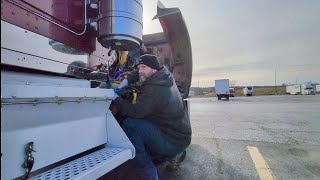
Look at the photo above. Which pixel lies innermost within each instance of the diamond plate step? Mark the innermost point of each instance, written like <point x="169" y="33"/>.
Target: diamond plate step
<point x="91" y="166"/>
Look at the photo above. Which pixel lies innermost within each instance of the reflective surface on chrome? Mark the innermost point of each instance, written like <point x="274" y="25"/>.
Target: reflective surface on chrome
<point x="120" y="24"/>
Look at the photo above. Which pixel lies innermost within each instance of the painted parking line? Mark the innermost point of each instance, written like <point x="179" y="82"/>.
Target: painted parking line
<point x="262" y="167"/>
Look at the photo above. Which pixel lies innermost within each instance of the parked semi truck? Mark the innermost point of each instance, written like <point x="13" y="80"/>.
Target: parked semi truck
<point x="248" y="91"/>
<point x="304" y="89"/>
<point x="307" y="89"/>
<point x="55" y="123"/>
<point x="222" y="88"/>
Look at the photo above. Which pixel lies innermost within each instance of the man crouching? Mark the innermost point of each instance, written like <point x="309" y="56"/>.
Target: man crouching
<point x="158" y="123"/>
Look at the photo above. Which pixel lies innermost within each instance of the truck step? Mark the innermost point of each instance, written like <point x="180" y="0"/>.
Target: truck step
<point x="91" y="166"/>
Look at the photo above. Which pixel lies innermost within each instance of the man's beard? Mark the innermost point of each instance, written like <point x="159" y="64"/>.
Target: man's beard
<point x="144" y="77"/>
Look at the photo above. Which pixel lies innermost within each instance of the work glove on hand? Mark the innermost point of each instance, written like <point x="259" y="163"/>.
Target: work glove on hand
<point x="119" y="90"/>
<point x="123" y="84"/>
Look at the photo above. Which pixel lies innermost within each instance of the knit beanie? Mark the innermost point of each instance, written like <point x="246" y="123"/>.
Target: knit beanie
<point x="150" y="61"/>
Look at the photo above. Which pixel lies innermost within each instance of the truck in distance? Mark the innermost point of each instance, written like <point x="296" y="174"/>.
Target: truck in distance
<point x="248" y="91"/>
<point x="318" y="88"/>
<point x="222" y="88"/>
<point x="293" y="89"/>
<point x="231" y="91"/>
<point x="303" y="89"/>
<point x="307" y="89"/>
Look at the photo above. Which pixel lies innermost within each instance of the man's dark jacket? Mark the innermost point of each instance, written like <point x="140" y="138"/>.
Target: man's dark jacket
<point x="159" y="101"/>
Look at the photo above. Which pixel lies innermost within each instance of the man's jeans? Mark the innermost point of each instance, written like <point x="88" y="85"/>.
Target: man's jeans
<point x="148" y="139"/>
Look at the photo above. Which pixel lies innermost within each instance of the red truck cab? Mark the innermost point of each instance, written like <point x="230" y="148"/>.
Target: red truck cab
<point x="231" y="91"/>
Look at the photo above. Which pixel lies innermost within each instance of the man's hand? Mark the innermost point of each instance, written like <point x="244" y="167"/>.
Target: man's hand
<point x="123" y="84"/>
<point x="120" y="90"/>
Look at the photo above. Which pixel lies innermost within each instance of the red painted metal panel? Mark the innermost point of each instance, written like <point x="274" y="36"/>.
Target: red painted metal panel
<point x="69" y="13"/>
<point x="177" y="35"/>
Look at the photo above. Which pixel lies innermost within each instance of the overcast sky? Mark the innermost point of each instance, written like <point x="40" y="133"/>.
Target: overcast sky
<point x="249" y="41"/>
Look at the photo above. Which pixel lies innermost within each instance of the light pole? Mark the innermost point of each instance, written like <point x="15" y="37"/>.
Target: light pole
<point x="275" y="80"/>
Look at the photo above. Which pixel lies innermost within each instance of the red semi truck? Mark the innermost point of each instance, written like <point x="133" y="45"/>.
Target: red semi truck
<point x="57" y="125"/>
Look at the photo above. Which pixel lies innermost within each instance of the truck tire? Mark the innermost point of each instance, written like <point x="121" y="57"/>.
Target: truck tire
<point x="219" y="97"/>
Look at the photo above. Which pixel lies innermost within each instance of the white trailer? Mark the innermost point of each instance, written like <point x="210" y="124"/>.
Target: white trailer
<point x="293" y="89"/>
<point x="222" y="88"/>
<point x="248" y="91"/>
<point x="318" y="88"/>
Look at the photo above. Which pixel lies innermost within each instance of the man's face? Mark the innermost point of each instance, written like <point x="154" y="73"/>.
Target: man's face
<point x="145" y="72"/>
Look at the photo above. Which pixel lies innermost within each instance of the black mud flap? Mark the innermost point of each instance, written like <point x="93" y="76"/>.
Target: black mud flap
<point x="173" y="46"/>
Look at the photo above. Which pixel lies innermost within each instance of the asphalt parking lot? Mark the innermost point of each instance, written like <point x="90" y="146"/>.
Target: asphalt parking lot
<point x="274" y="137"/>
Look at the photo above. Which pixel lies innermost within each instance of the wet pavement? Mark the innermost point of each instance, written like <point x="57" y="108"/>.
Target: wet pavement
<point x="285" y="130"/>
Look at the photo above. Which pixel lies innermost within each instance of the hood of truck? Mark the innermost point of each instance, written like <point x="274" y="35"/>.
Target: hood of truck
<point x="172" y="46"/>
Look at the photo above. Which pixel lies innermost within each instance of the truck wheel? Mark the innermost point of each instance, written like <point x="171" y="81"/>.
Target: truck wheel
<point x="219" y="98"/>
